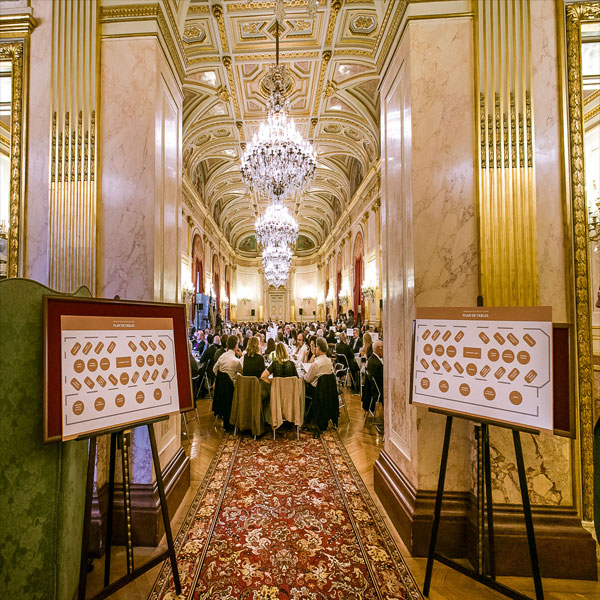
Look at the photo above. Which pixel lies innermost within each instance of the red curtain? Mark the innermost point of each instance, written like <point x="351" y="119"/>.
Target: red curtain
<point x="358" y="296"/>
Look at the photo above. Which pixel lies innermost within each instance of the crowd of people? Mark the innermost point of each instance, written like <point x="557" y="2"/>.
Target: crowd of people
<point x="269" y="349"/>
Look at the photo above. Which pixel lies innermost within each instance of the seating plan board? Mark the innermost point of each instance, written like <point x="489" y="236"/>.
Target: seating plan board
<point x="489" y="363"/>
<point x="115" y="371"/>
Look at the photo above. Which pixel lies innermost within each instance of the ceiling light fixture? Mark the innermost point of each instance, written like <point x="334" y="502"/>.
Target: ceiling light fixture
<point x="278" y="161"/>
<point x="276" y="227"/>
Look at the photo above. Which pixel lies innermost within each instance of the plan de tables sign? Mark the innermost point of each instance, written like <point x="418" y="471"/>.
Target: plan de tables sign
<point x="112" y="363"/>
<point x="489" y="363"/>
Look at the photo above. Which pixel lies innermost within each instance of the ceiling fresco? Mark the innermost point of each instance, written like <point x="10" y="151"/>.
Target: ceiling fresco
<point x="332" y="59"/>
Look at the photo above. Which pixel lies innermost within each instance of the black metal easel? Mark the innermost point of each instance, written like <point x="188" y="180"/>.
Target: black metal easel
<point x="119" y="438"/>
<point x="488" y="576"/>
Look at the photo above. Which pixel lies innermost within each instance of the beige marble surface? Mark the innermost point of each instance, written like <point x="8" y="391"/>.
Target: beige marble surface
<point x="38" y="145"/>
<point x="550" y="190"/>
<point x="127" y="141"/>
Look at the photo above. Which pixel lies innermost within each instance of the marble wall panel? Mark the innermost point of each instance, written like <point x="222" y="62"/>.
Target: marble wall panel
<point x="38" y="145"/>
<point x="550" y="190"/>
<point x="443" y="134"/>
<point x="397" y="263"/>
<point x="444" y="219"/>
<point x="547" y="464"/>
<point x="126" y="224"/>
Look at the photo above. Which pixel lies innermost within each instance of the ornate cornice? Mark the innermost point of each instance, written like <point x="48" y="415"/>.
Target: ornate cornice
<point x="166" y="25"/>
<point x="366" y="197"/>
<point x="17" y="24"/>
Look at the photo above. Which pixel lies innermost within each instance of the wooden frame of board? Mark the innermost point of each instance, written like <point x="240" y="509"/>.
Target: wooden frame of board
<point x="55" y="307"/>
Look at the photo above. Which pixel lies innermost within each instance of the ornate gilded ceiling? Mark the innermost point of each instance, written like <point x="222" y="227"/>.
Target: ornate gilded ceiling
<point x="333" y="98"/>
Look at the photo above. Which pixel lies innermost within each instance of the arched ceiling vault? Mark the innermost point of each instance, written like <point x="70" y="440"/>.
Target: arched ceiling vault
<point x="334" y="100"/>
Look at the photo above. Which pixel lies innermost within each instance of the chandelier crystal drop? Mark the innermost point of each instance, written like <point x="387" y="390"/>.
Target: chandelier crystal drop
<point x="278" y="161"/>
<point x="276" y="227"/>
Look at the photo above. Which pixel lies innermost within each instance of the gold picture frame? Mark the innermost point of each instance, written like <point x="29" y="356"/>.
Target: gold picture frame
<point x="573" y="15"/>
<point x="14" y="51"/>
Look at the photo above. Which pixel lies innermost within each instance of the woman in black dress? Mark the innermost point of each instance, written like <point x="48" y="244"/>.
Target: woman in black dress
<point x="281" y="366"/>
<point x="254" y="362"/>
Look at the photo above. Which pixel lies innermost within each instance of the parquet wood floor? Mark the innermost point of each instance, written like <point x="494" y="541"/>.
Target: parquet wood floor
<point x="363" y="445"/>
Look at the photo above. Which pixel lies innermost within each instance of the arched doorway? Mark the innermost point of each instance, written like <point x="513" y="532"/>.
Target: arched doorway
<point x="359" y="273"/>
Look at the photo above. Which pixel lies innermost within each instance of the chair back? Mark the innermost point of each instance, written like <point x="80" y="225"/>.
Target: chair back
<point x="223" y="396"/>
<point x="325" y="401"/>
<point x="343" y="360"/>
<point x="246" y="407"/>
<point x="287" y="401"/>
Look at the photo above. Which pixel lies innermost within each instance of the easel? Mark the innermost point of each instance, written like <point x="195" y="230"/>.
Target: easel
<point x="488" y="575"/>
<point x="118" y="438"/>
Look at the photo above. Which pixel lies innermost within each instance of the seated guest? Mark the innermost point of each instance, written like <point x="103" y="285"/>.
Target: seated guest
<point x="228" y="362"/>
<point x="310" y="357"/>
<point x="331" y="339"/>
<point x="254" y="362"/>
<point x="301" y="348"/>
<point x="270" y="349"/>
<point x="208" y="357"/>
<point x="223" y="347"/>
<point x="281" y="366"/>
<point x="356" y="342"/>
<point x="343" y="349"/>
<point x="321" y="365"/>
<point x="199" y="344"/>
<point x="375" y="366"/>
<point x="367" y="348"/>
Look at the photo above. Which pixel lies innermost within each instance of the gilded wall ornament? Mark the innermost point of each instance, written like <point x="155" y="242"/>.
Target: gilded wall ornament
<point x="575" y="15"/>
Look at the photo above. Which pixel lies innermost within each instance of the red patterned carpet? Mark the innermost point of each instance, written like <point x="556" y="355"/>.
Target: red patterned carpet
<point x="285" y="519"/>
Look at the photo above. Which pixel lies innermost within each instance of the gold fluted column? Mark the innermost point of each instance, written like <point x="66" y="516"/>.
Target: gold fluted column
<point x="507" y="202"/>
<point x="72" y="220"/>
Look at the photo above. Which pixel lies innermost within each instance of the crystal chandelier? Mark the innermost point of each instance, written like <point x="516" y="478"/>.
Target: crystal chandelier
<point x="276" y="227"/>
<point x="276" y="262"/>
<point x="278" y="161"/>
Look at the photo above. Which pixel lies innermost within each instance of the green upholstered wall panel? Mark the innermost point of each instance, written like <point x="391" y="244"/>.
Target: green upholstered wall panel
<point x="42" y="486"/>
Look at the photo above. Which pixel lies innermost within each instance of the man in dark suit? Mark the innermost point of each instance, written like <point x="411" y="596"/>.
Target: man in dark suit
<point x="342" y="348"/>
<point x="209" y="355"/>
<point x="356" y="343"/>
<point x="375" y="367"/>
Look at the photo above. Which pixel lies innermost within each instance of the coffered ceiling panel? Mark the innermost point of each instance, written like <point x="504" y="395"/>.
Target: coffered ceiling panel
<point x="333" y="99"/>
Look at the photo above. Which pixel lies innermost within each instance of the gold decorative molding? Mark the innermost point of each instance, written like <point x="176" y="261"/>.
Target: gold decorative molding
<point x="575" y="15"/>
<point x="326" y="57"/>
<point x="14" y="52"/>
<point x="592" y="113"/>
<point x="401" y="5"/>
<point x="591" y="97"/>
<point x="231" y="78"/>
<point x="17" y="25"/>
<point x="506" y="177"/>
<point x="335" y="9"/>
<point x="72" y="219"/>
<point x="217" y="12"/>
